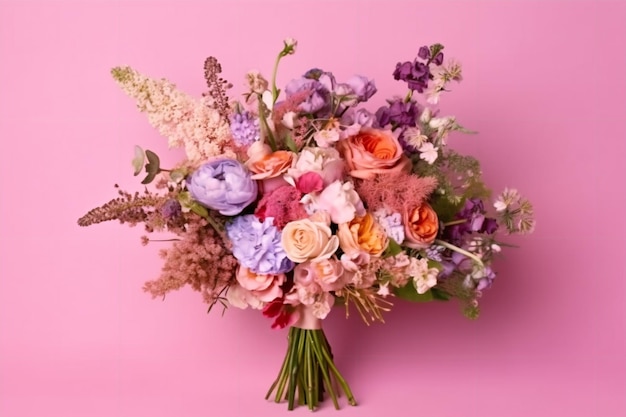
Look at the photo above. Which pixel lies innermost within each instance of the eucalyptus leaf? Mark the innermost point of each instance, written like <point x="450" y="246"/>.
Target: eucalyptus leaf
<point x="138" y="160"/>
<point x="154" y="164"/>
<point x="149" y="178"/>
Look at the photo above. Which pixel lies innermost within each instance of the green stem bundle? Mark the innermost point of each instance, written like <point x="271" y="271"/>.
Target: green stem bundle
<point x="309" y="371"/>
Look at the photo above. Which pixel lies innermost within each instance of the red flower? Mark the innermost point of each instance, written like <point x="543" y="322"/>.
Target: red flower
<point x="284" y="314"/>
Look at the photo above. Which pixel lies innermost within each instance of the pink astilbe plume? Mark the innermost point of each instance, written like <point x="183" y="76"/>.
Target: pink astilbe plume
<point x="396" y="193"/>
<point x="291" y="103"/>
<point x="187" y="122"/>
<point x="283" y="204"/>
<point x="199" y="260"/>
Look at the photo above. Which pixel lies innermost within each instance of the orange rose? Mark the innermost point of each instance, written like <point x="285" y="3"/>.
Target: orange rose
<point x="421" y="226"/>
<point x="372" y="152"/>
<point x="267" y="164"/>
<point x="362" y="234"/>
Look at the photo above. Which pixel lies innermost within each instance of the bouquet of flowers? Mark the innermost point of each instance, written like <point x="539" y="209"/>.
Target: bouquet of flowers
<point x="293" y="202"/>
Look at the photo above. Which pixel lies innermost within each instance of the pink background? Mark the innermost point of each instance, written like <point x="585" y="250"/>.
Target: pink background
<point x="544" y="85"/>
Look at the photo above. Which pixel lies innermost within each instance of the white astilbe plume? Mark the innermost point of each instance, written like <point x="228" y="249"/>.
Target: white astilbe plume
<point x="185" y="121"/>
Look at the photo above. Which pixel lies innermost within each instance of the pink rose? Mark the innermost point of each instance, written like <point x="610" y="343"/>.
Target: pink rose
<point x="371" y="152"/>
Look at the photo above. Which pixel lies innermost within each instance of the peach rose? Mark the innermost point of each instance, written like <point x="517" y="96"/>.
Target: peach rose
<point x="362" y="234"/>
<point x="306" y="240"/>
<point x="421" y="226"/>
<point x="267" y="164"/>
<point x="254" y="290"/>
<point x="327" y="274"/>
<point x="372" y="152"/>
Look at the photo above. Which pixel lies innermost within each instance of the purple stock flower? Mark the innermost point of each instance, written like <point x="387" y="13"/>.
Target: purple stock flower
<point x="484" y="278"/>
<point x="245" y="128"/>
<point x="438" y="59"/>
<point x="223" y="185"/>
<point x="256" y="245"/>
<point x="415" y="74"/>
<point x="474" y="214"/>
<point x="424" y="52"/>
<point x="398" y="113"/>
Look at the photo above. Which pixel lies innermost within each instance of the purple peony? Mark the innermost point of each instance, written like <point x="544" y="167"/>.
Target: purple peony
<point x="223" y="185"/>
<point x="256" y="245"/>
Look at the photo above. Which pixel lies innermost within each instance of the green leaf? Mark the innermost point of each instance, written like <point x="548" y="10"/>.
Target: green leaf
<point x="152" y="167"/>
<point x="393" y="249"/>
<point x="409" y="293"/>
<point x="149" y="178"/>
<point x="440" y="295"/>
<point x="291" y="145"/>
<point x="138" y="160"/>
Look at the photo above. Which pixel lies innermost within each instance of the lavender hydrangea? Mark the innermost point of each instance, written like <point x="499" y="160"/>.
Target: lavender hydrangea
<point x="391" y="224"/>
<point x="245" y="128"/>
<point x="256" y="245"/>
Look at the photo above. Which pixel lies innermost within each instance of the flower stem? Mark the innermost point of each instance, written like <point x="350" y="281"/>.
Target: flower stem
<point x="308" y="355"/>
<point x="453" y="222"/>
<point x="266" y="126"/>
<point x="459" y="250"/>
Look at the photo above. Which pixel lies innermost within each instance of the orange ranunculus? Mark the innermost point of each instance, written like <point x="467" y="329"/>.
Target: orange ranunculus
<point x="372" y="152"/>
<point x="362" y="234"/>
<point x="266" y="164"/>
<point x="421" y="226"/>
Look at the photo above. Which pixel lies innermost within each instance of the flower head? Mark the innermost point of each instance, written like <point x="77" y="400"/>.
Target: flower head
<point x="256" y="245"/>
<point x="290" y="46"/>
<point x="339" y="200"/>
<point x="245" y="128"/>
<point x="223" y="185"/>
